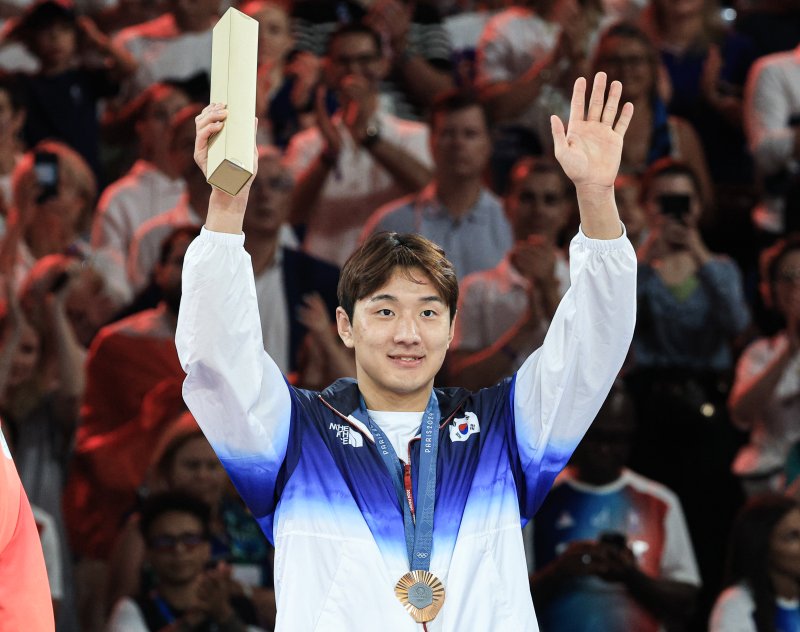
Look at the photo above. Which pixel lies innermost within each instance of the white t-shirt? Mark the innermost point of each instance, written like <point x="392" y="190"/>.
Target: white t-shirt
<point x="399" y="428"/>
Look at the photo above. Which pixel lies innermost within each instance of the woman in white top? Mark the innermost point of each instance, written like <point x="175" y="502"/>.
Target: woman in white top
<point x="763" y="569"/>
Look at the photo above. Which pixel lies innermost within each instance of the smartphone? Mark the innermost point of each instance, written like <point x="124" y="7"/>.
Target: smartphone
<point x="45" y="166"/>
<point x="674" y="205"/>
<point x="615" y="539"/>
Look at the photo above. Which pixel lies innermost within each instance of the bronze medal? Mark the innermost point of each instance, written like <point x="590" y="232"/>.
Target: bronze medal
<point x="422" y="595"/>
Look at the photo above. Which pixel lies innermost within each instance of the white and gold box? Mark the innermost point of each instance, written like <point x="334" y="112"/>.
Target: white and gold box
<point x="234" y="60"/>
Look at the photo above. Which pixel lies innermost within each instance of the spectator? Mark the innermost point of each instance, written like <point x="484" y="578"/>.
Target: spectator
<point x="54" y="193"/>
<point x="691" y="304"/>
<point x="151" y="186"/>
<point x="627" y="55"/>
<point x="418" y="55"/>
<point x="764" y="398"/>
<point x="189" y="210"/>
<point x="464" y="30"/>
<point x="528" y="57"/>
<point x="772" y="122"/>
<point x="63" y="96"/>
<point x="285" y="278"/>
<point x="65" y="303"/>
<point x="286" y="83"/>
<point x="176" y="45"/>
<point x="504" y="312"/>
<point x="762" y="569"/>
<point x="707" y="65"/>
<point x="184" y="462"/>
<point x="126" y="361"/>
<point x="40" y="396"/>
<point x="455" y="210"/>
<point x="611" y="547"/>
<point x="175" y="528"/>
<point x="691" y="309"/>
<point x="346" y="167"/>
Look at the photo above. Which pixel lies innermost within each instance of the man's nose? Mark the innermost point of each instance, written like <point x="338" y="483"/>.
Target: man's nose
<point x="407" y="330"/>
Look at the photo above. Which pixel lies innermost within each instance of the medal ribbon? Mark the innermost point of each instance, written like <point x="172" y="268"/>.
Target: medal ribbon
<point x="419" y="532"/>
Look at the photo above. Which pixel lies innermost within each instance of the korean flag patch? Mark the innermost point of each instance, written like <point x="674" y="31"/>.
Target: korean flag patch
<point x="462" y="428"/>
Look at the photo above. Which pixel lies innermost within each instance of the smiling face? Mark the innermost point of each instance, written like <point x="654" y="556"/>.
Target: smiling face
<point x="400" y="334"/>
<point x="177" y="548"/>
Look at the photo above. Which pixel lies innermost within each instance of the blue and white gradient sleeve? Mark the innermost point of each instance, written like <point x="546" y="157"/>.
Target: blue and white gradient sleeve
<point x="234" y="389"/>
<point x="561" y="386"/>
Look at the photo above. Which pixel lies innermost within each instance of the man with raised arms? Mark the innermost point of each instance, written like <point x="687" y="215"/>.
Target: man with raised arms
<point x="394" y="505"/>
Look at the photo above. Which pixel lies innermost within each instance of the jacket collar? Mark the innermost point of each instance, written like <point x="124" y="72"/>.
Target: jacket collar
<point x="344" y="397"/>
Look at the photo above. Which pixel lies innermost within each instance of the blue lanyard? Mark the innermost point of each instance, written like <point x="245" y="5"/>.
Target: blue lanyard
<point x="419" y="533"/>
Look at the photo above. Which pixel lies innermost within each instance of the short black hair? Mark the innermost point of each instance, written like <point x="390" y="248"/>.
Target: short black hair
<point x="669" y="167"/>
<point x="355" y="28"/>
<point x="187" y="230"/>
<point x="40" y="16"/>
<point x="159" y="504"/>
<point x="456" y="100"/>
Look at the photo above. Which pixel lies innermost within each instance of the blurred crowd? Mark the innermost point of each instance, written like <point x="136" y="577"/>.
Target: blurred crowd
<point x="679" y="511"/>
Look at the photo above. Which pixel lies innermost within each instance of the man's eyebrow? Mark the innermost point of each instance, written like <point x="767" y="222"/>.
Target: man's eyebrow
<point x="391" y="297"/>
<point x="382" y="297"/>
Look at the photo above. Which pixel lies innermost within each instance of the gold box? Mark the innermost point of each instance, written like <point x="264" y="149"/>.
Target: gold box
<point x="234" y="60"/>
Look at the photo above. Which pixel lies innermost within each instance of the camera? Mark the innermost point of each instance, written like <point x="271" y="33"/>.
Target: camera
<point x="45" y="167"/>
<point x="674" y="205"/>
<point x="615" y="539"/>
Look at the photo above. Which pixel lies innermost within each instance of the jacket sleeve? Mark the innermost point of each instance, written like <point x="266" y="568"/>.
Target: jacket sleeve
<point x="561" y="386"/>
<point x="234" y="389"/>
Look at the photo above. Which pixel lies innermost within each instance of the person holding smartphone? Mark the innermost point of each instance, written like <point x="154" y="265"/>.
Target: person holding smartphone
<point x="611" y="547"/>
<point x="691" y="308"/>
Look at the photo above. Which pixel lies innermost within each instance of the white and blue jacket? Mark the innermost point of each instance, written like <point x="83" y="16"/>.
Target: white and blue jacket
<point x="310" y="473"/>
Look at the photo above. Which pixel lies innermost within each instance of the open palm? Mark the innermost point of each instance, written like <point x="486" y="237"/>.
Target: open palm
<point x="589" y="150"/>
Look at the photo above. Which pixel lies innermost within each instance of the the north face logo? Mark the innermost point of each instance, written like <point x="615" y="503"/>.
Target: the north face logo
<point x="347" y="435"/>
<point x="464" y="427"/>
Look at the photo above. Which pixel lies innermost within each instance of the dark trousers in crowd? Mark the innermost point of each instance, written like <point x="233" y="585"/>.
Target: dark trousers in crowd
<point x="685" y="441"/>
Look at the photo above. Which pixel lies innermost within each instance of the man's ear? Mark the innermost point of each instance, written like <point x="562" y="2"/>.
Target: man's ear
<point x="452" y="331"/>
<point x="344" y="327"/>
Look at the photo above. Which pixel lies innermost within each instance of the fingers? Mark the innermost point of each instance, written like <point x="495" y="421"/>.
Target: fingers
<point x="578" y="103"/>
<point x="559" y="134"/>
<point x="598" y="97"/>
<point x="612" y="103"/>
<point x="209" y="122"/>
<point x="624" y="119"/>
